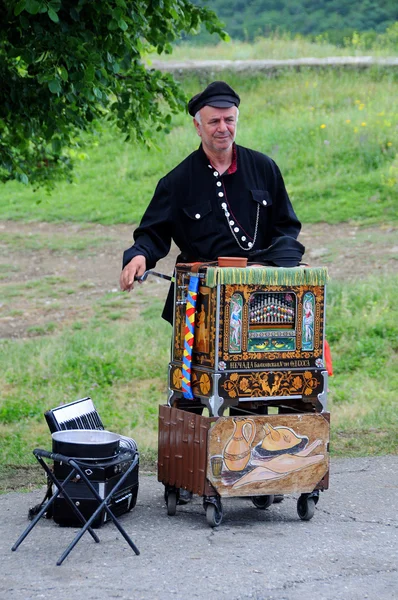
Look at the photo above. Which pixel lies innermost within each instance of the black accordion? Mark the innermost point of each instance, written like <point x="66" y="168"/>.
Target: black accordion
<point x="103" y="474"/>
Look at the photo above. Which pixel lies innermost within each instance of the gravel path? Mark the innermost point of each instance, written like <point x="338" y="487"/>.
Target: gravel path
<point x="349" y="550"/>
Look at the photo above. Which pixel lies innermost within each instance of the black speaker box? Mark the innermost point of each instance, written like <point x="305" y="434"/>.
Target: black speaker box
<point x="103" y="476"/>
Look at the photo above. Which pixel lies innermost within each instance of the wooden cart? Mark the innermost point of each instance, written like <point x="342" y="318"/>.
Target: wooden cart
<point x="258" y="368"/>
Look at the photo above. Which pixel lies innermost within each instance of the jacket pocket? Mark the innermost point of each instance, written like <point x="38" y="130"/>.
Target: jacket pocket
<point x="198" y="227"/>
<point x="197" y="212"/>
<point x="262" y="197"/>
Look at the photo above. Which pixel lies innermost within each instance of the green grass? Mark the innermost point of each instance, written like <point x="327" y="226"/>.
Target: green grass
<point x="124" y="369"/>
<point x="362" y="332"/>
<point x="278" y="47"/>
<point x="55" y="243"/>
<point x="46" y="287"/>
<point x="334" y="133"/>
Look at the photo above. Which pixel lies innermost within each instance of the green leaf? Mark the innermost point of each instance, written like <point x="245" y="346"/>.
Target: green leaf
<point x="89" y="73"/>
<point x="54" y="86"/>
<point x="97" y="93"/>
<point x="74" y="14"/>
<point x="117" y="14"/>
<point x="53" y="15"/>
<point x="19" y="7"/>
<point x="113" y="25"/>
<point x="123" y="25"/>
<point x="33" y="6"/>
<point x="44" y="77"/>
<point x="63" y="73"/>
<point x="23" y="19"/>
<point x="56" y="145"/>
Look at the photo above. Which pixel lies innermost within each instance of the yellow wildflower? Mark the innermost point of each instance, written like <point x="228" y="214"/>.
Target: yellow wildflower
<point x="361" y="106"/>
<point x="323" y="126"/>
<point x="389" y="143"/>
<point x="348" y="120"/>
<point x="363" y="124"/>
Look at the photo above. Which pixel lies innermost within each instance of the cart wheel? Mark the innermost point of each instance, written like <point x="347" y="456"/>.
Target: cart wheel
<point x="213" y="515"/>
<point x="171" y="501"/>
<point x="262" y="502"/>
<point x="305" y="508"/>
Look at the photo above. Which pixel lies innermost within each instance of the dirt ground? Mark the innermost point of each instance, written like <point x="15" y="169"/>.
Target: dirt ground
<point x="54" y="273"/>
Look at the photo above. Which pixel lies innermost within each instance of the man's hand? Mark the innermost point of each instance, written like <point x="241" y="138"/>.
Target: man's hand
<point x="135" y="268"/>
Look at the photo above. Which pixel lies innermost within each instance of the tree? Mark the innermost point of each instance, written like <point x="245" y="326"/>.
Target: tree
<point x="65" y="64"/>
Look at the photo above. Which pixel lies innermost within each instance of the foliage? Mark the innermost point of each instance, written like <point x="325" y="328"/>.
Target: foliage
<point x="248" y="19"/>
<point x="386" y="42"/>
<point x="66" y="63"/>
<point x="333" y="132"/>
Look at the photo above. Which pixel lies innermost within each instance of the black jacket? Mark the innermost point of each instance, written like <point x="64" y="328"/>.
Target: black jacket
<point x="194" y="205"/>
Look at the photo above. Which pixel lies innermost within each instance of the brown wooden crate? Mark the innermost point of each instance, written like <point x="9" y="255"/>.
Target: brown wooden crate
<point x="182" y="454"/>
<point x="186" y="446"/>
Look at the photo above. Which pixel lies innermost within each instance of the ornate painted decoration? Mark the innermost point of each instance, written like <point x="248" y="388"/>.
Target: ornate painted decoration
<point x="272" y="319"/>
<point x="273" y="327"/>
<point x="264" y="384"/>
<point x="235" y="323"/>
<point x="307" y="336"/>
<point x="266" y="455"/>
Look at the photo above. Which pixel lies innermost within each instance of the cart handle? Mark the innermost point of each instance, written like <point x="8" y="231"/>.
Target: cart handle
<point x="161" y="275"/>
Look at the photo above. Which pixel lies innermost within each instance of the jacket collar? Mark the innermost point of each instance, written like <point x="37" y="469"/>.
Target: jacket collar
<point x="233" y="167"/>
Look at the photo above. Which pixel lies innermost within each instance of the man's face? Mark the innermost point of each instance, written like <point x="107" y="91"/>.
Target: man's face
<point x="217" y="128"/>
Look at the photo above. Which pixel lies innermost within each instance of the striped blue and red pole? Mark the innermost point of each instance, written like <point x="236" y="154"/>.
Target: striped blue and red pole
<point x="189" y="336"/>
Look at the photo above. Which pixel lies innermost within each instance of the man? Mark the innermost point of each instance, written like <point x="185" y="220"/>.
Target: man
<point x="222" y="200"/>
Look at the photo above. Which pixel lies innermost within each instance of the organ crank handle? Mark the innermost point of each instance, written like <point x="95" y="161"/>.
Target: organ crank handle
<point x="161" y="275"/>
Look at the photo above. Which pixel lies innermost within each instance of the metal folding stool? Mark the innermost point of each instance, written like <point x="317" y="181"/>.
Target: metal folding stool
<point x="77" y="469"/>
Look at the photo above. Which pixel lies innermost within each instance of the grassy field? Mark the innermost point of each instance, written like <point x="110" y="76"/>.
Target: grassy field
<point x="334" y="135"/>
<point x="284" y="46"/>
<point x="125" y="369"/>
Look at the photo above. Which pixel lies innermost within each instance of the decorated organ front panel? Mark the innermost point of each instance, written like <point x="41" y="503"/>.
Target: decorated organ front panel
<point x="275" y="327"/>
<point x="272" y="322"/>
<point x="261" y="330"/>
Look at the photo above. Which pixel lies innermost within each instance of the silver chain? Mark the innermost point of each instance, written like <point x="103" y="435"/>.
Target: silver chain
<point x="255" y="231"/>
<point x="227" y="215"/>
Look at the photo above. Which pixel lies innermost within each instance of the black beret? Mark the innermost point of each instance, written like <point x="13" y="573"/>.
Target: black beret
<point x="218" y="94"/>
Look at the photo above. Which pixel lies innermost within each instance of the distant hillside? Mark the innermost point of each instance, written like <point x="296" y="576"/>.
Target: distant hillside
<point x="247" y="19"/>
